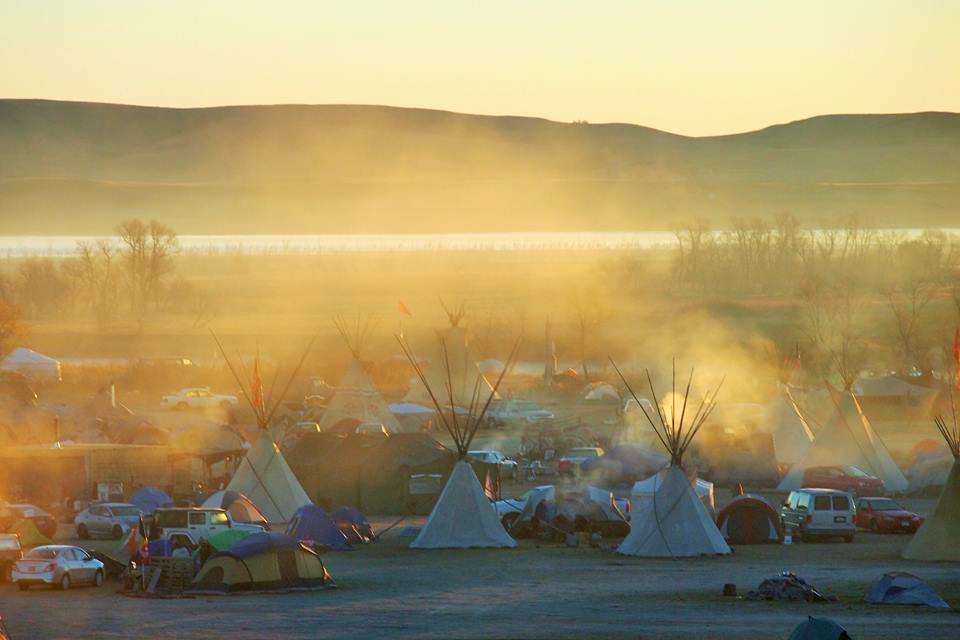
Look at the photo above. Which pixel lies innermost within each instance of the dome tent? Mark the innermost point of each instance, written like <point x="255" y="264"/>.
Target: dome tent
<point x="32" y="365"/>
<point x="750" y="519"/>
<point x="239" y="506"/>
<point x="903" y="588"/>
<point x="311" y="525"/>
<point x="262" y="562"/>
<point x="149" y="499"/>
<point x="819" y="629"/>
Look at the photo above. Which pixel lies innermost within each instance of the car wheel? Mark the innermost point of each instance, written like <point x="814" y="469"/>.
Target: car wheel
<point x="874" y="527"/>
<point x="65" y="582"/>
<point x="117" y="532"/>
<point x="182" y="406"/>
<point x="23" y="586"/>
<point x="82" y="532"/>
<point x="98" y="579"/>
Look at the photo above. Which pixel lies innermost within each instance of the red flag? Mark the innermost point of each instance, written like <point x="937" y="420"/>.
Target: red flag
<point x="403" y="309"/>
<point x="257" y="386"/>
<point x="145" y="542"/>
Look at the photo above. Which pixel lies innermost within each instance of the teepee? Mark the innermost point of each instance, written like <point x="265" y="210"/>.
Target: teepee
<point x="784" y="422"/>
<point x="263" y="474"/>
<point x="937" y="538"/>
<point x="463" y="516"/>
<point x="453" y="365"/>
<point x="848" y="438"/>
<point x="356" y="398"/>
<point x="677" y="524"/>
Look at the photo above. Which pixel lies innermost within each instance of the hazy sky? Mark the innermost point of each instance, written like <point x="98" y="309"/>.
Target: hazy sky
<point x="689" y="66"/>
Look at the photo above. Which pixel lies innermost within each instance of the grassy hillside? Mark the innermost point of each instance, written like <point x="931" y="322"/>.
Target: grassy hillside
<point x="70" y="167"/>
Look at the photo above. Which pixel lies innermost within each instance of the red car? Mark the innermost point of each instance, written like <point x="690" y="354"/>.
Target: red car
<point x="843" y="478"/>
<point x="884" y="514"/>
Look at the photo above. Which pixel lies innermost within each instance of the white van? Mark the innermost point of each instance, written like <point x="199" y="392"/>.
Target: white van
<point x="812" y="513"/>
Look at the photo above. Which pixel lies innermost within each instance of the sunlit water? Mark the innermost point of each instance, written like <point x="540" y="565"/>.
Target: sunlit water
<point x="14" y="246"/>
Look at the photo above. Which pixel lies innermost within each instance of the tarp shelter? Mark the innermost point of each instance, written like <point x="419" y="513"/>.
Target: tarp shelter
<point x="783" y="420"/>
<point x="262" y="562"/>
<point x="600" y="392"/>
<point x="463" y="516"/>
<point x="240" y="507"/>
<point x="749" y="519"/>
<point x="819" y="629"/>
<point x="674" y="524"/>
<point x="312" y="526"/>
<point x="411" y="416"/>
<point x="643" y="492"/>
<point x="903" y="588"/>
<point x="32" y="365"/>
<point x="359" y="399"/>
<point x="266" y="479"/>
<point x="30" y="536"/>
<point x="848" y="438"/>
<point x="149" y="499"/>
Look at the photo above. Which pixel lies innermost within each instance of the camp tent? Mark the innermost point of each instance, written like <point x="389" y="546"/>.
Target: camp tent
<point x="600" y="392"/>
<point x="452" y="364"/>
<point x="938" y="535"/>
<point x="149" y="499"/>
<point x="626" y="461"/>
<point x="32" y="365"/>
<point x="819" y="629"/>
<point x="265" y="478"/>
<point x="903" y="588"/>
<point x="749" y="519"/>
<point x="792" y="435"/>
<point x="30" y="536"/>
<point x="312" y="526"/>
<point x="643" y="492"/>
<point x="930" y="470"/>
<point x="353" y="524"/>
<point x="262" y="562"/>
<point x="676" y="523"/>
<point x="848" y="438"/>
<point x="463" y="516"/>
<point x="223" y="540"/>
<point x="240" y="507"/>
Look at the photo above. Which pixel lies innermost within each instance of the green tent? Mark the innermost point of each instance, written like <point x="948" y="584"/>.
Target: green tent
<point x="30" y="536"/>
<point x="226" y="539"/>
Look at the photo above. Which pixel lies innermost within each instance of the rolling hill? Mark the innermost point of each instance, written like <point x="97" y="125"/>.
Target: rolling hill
<point x="72" y="167"/>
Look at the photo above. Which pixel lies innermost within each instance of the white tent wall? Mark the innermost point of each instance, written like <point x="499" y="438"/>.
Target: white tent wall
<point x="463" y="516"/>
<point x="791" y="434"/>
<point x="266" y="479"/>
<point x="32" y="365"/>
<point x="938" y="536"/>
<point x="643" y="491"/>
<point x="677" y="524"/>
<point x="847" y="438"/>
<point x="357" y="398"/>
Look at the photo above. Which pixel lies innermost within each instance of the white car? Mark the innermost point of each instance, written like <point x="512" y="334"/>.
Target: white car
<point x="197" y="398"/>
<point x="57" y="565"/>
<point x="820" y="513"/>
<point x="516" y="413"/>
<point x="191" y="525"/>
<point x="507" y="467"/>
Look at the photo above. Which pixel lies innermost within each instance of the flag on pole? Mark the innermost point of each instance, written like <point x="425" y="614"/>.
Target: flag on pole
<point x="402" y="308"/>
<point x="956" y="355"/>
<point x="257" y="386"/>
<point x="144" y="541"/>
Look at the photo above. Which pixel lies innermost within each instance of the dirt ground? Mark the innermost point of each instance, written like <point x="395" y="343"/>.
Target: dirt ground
<point x="535" y="591"/>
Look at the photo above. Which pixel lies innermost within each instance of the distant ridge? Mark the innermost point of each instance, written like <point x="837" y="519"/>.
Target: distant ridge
<point x="75" y="167"/>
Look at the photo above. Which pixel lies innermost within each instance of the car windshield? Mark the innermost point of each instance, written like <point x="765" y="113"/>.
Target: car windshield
<point x="41" y="554"/>
<point x="853" y="471"/>
<point x="885" y="505"/>
<point x="128" y="510"/>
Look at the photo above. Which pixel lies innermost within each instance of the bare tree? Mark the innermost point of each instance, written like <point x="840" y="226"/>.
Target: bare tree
<point x="12" y="328"/>
<point x="94" y="270"/>
<point x="148" y="256"/>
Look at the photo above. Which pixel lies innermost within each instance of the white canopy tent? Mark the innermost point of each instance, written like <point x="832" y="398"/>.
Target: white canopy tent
<point x="32" y="365"/>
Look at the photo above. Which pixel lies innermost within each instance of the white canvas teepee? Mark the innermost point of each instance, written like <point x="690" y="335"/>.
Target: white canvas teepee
<point x="463" y="516"/>
<point x="792" y="435"/>
<point x="676" y="524"/>
<point x="452" y="361"/>
<point x="848" y="438"/>
<point x="265" y="477"/>
<point x="939" y="536"/>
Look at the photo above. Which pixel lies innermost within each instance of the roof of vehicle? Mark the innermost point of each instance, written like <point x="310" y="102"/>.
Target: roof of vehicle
<point x="821" y="492"/>
<point x="112" y="504"/>
<point x="190" y="509"/>
<point x="26" y="506"/>
<point x="56" y="547"/>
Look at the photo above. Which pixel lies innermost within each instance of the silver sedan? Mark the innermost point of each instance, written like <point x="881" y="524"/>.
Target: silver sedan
<point x="57" y="565"/>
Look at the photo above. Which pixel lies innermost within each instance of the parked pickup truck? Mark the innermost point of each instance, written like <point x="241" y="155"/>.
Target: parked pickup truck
<point x="516" y="413"/>
<point x="197" y="398"/>
<point x="190" y="525"/>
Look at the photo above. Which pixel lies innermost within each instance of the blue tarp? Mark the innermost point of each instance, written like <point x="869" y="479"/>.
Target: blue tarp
<point x="312" y="525"/>
<point x="149" y="499"/>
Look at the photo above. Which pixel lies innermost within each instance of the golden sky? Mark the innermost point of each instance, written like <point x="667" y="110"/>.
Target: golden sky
<point x="696" y="67"/>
